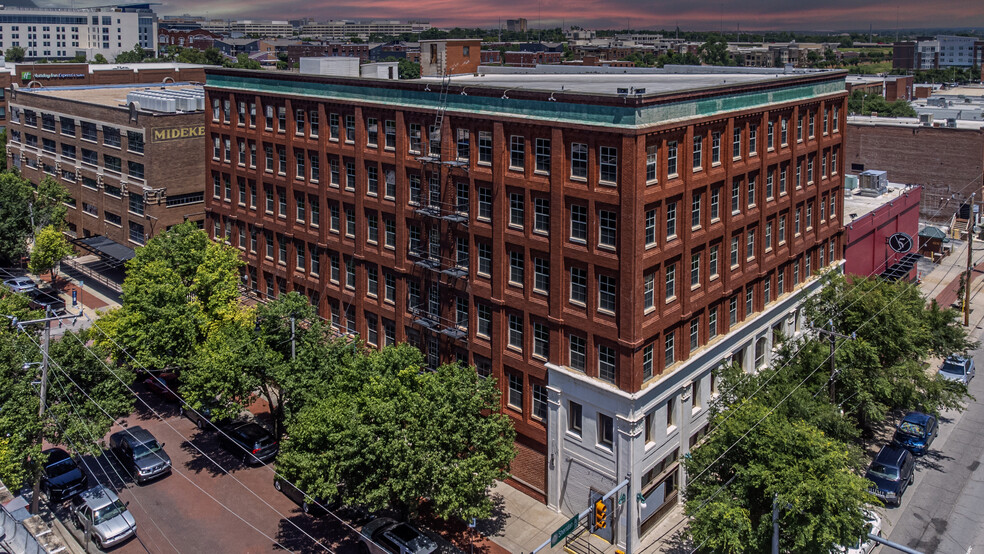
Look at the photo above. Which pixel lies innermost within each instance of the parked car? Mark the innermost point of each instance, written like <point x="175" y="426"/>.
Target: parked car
<point x="202" y="418"/>
<point x="384" y="535"/>
<point x="308" y="504"/>
<point x="140" y="452"/>
<point x="864" y="545"/>
<point x="958" y="368"/>
<point x="249" y="442"/>
<point x="101" y="512"/>
<point x="916" y="432"/>
<point x="20" y="284"/>
<point x="45" y="298"/>
<point x="891" y="473"/>
<point x="61" y="476"/>
<point x="164" y="385"/>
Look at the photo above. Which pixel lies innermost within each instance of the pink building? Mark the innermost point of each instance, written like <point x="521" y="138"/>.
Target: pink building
<point x="872" y="220"/>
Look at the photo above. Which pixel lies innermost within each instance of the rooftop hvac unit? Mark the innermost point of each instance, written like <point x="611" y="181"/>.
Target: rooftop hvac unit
<point x="926" y="119"/>
<point x="951" y="122"/>
<point x="872" y="183"/>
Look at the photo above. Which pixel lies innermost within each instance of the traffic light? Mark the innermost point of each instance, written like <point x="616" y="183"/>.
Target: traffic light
<point x="601" y="515"/>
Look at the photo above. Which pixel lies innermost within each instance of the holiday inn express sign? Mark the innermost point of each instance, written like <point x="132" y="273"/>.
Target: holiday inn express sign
<point x="178" y="133"/>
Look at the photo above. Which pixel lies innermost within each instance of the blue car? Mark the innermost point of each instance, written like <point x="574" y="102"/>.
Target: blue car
<point x="916" y="432"/>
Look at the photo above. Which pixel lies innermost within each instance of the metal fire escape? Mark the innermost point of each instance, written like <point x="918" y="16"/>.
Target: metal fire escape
<point x="440" y="257"/>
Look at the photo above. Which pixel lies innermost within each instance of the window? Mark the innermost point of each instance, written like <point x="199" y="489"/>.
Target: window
<point x="579" y="286"/>
<point x="484" y="258"/>
<point x="314" y="123"/>
<point x="712" y="322"/>
<point x="712" y="261"/>
<point x="515" y="332"/>
<point x="516" y="391"/>
<point x="541" y="341"/>
<point x="649" y="292"/>
<point x="484" y="204"/>
<point x="372" y="132"/>
<point x="389" y="287"/>
<point x="736" y="143"/>
<point x="606" y="293"/>
<point x="516" y="269"/>
<point x="606" y="431"/>
<point x="671" y="158"/>
<point x="484" y="147"/>
<point x="733" y="310"/>
<point x="734" y="251"/>
<point x="768" y="236"/>
<point x="484" y="317"/>
<point x="695" y="270"/>
<point x="517" y="152"/>
<point x="541" y="215"/>
<point x="651" y="161"/>
<point x="543" y="155"/>
<point x="372" y="228"/>
<point x="579" y="160"/>
<point x="694" y="334"/>
<point x="698" y="152"/>
<point x="608" y="164"/>
<point x="749" y="300"/>
<point x="669" y="351"/>
<point x="751" y="192"/>
<point x="715" y="148"/>
<point x="541" y="275"/>
<point x="750" y="244"/>
<point x="579" y="223"/>
<point x="372" y="180"/>
<point x="670" y="220"/>
<point x="606" y="363"/>
<point x="769" y="185"/>
<point x="516" y="209"/>
<point x="770" y="137"/>
<point x="281" y="119"/>
<point x="695" y="210"/>
<point x="414" y="132"/>
<point x="650" y="228"/>
<point x="606" y="228"/>
<point x="715" y="204"/>
<point x="752" y="139"/>
<point x="647" y="362"/>
<point x="735" y="197"/>
<point x="463" y="144"/>
<point x="390" y="233"/>
<point x="349" y="128"/>
<point x="574" y="418"/>
<point x="783" y="131"/>
<point x="670" y="282"/>
<point x="539" y="401"/>
<point x="390" y="134"/>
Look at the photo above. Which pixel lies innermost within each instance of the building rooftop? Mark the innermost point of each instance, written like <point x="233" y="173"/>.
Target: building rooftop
<point x="109" y="96"/>
<point x="909" y="122"/>
<point x="609" y="80"/>
<point x="857" y="206"/>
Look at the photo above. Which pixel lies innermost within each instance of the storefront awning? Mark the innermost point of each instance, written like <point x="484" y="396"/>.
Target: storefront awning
<point x="109" y="250"/>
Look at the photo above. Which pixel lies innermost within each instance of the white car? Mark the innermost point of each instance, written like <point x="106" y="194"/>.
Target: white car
<point x="21" y="284"/>
<point x="864" y="545"/>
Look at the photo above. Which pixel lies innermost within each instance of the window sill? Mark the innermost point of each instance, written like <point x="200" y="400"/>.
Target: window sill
<point x="607" y="183"/>
<point x="672" y="176"/>
<point x="714" y="277"/>
<point x="604" y="311"/>
<point x="715" y="164"/>
<point x="670" y="429"/>
<point x="649" y="310"/>
<point x="608" y="247"/>
<point x="579" y="179"/>
<point x="694" y="287"/>
<point x="578" y="303"/>
<point x="671" y="299"/>
<point x="535" y="172"/>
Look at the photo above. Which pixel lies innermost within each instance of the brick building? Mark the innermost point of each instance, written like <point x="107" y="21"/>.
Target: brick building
<point x="532" y="59"/>
<point x="870" y="221"/>
<point x="131" y="171"/>
<point x="314" y="50"/>
<point x="598" y="253"/>
<point x="199" y="39"/>
<point x="946" y="161"/>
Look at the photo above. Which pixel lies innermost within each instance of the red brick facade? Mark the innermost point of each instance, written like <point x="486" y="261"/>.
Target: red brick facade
<point x="514" y="226"/>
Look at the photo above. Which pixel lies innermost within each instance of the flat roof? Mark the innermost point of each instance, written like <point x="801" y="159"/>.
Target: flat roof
<point x="110" y="96"/>
<point x="857" y="206"/>
<point x="871" y="121"/>
<point x="608" y="81"/>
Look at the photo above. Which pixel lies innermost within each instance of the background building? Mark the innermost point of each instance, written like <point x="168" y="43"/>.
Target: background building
<point x="65" y="33"/>
<point x="132" y="158"/>
<point x="598" y="252"/>
<point x="516" y="25"/>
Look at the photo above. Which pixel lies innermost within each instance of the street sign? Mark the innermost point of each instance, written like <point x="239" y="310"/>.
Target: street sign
<point x="621" y="499"/>
<point x="564" y="530"/>
<point x="900" y="242"/>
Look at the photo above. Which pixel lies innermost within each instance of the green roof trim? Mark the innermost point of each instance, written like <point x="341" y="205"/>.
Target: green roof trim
<point x="562" y="112"/>
<point x="930" y="232"/>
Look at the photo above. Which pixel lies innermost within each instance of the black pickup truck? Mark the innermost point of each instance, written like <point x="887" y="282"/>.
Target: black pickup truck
<point x="46" y="297"/>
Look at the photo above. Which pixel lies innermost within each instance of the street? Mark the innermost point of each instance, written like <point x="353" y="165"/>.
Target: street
<point x="200" y="508"/>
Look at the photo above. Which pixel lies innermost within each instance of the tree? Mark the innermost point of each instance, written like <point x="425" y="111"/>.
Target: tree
<point x="50" y="248"/>
<point x="49" y="204"/>
<point x="16" y="197"/>
<point x="14" y="54"/>
<point x="393" y="434"/>
<point x="137" y="55"/>
<point x="100" y="59"/>
<point x="409" y="69"/>
<point x="3" y="150"/>
<point x="715" y="52"/>
<point x="816" y="480"/>
<point x="243" y="62"/>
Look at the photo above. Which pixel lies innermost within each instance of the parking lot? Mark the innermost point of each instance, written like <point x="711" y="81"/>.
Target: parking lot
<point x="210" y="502"/>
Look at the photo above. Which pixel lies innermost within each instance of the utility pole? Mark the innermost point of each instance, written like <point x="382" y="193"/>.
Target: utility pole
<point x="775" y="523"/>
<point x="293" y="343"/>
<point x="832" y="337"/>
<point x="970" y="262"/>
<point x="45" y="341"/>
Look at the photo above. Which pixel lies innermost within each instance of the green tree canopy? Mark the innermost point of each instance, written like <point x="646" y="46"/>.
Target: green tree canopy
<point x="16" y="196"/>
<point x="393" y="434"/>
<point x="50" y="248"/>
<point x="14" y="54"/>
<point x="137" y="55"/>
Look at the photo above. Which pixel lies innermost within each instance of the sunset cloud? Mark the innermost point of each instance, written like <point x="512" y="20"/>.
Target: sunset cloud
<point x="639" y="14"/>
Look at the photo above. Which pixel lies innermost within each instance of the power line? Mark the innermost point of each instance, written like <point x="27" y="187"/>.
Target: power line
<point x="230" y="510"/>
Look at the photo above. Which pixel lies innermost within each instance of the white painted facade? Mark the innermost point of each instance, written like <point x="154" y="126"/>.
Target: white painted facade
<point x="578" y="462"/>
<point x="62" y="33"/>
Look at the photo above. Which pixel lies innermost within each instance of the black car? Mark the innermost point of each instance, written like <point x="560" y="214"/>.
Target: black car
<point x="140" y="453"/>
<point x="44" y="298"/>
<point x="61" y="476"/>
<point x="308" y="504"/>
<point x="891" y="472"/>
<point x="249" y="442"/>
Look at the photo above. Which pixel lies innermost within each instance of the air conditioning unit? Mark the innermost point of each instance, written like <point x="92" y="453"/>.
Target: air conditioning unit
<point x="926" y="119"/>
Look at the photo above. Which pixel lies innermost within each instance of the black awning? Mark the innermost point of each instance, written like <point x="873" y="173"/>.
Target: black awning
<point x="111" y="251"/>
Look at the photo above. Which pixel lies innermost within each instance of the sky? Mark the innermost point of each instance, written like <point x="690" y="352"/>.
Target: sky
<point x="820" y="15"/>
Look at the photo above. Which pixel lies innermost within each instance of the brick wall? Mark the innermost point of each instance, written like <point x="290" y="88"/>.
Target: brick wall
<point x="944" y="161"/>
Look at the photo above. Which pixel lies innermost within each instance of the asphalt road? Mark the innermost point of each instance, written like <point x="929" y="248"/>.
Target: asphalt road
<point x="944" y="511"/>
<point x="201" y="508"/>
